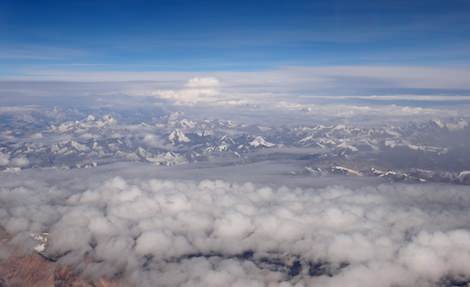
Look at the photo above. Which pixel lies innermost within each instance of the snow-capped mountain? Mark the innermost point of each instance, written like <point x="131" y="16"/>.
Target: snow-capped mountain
<point x="177" y="136"/>
<point x="259" y="141"/>
<point x="85" y="139"/>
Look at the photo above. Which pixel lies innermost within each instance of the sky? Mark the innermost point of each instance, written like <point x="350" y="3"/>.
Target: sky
<point x="411" y="52"/>
<point x="142" y="36"/>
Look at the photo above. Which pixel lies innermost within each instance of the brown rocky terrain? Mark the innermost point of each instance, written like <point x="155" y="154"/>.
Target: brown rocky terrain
<point x="20" y="269"/>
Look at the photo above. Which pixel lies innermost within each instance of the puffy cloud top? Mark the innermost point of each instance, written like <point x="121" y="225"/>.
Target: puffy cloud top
<point x="195" y="90"/>
<point x="215" y="233"/>
<point x="202" y="82"/>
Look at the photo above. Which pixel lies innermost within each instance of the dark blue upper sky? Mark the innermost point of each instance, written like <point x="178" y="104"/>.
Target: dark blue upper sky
<point x="230" y="35"/>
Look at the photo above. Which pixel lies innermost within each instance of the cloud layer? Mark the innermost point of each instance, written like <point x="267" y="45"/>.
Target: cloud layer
<point x="215" y="233"/>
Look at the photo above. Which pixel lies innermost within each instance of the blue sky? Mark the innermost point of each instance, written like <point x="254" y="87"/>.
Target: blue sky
<point x="229" y="35"/>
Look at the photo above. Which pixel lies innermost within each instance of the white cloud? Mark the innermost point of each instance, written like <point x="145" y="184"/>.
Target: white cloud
<point x="322" y="90"/>
<point x="350" y="111"/>
<point x="20" y="161"/>
<point x="402" y="97"/>
<point x="196" y="83"/>
<point x="181" y="233"/>
<point x="195" y="90"/>
<point x="301" y="77"/>
<point x="4" y="159"/>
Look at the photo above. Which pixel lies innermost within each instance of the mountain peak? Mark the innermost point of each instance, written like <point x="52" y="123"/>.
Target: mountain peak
<point x="177" y="136"/>
<point x="259" y="141"/>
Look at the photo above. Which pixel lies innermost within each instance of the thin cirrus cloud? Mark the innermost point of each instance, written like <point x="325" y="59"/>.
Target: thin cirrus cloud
<point x="40" y="53"/>
<point x="401" y="76"/>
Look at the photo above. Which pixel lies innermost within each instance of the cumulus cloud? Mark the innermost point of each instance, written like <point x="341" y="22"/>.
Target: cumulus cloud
<point x="195" y="90"/>
<point x="203" y="83"/>
<point x="20" y="161"/>
<point x="207" y="91"/>
<point x="216" y="233"/>
<point x="4" y="159"/>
